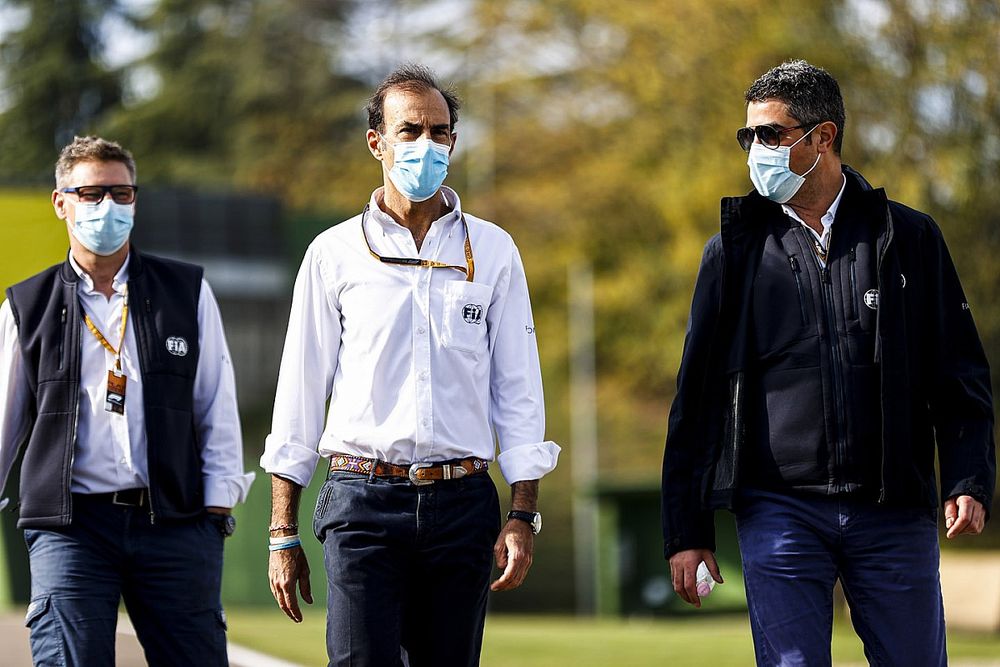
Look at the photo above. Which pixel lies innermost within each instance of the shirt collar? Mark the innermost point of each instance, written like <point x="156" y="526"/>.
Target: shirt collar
<point x="118" y="283"/>
<point x="828" y="217"/>
<point x="385" y="220"/>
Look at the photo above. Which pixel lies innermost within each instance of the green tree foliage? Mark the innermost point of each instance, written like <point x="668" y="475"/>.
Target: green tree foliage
<point x="247" y="96"/>
<point x="54" y="81"/>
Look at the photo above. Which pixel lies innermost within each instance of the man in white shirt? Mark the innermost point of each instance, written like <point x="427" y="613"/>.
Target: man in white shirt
<point x="413" y="319"/>
<point x="117" y="390"/>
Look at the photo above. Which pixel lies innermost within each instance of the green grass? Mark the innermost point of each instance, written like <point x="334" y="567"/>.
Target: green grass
<point x="543" y="641"/>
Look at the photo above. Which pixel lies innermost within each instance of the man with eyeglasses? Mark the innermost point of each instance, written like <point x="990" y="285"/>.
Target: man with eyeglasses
<point x="117" y="394"/>
<point x="413" y="320"/>
<point x="830" y="351"/>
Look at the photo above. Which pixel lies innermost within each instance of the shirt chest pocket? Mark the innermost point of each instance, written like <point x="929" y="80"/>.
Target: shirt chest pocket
<point x="464" y="319"/>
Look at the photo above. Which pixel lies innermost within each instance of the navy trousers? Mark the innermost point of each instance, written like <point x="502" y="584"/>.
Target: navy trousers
<point x="169" y="575"/>
<point x="408" y="569"/>
<point x="794" y="549"/>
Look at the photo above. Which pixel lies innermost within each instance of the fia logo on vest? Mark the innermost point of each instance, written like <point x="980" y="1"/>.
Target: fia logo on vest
<point x="871" y="299"/>
<point x="177" y="346"/>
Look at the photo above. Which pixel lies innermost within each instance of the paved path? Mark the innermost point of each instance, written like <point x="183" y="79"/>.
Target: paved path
<point x="15" y="653"/>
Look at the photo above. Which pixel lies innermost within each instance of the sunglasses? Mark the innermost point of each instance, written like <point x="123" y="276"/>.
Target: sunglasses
<point x="769" y="135"/>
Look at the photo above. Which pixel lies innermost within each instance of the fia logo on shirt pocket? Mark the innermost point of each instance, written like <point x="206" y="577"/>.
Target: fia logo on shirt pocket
<point x="465" y="307"/>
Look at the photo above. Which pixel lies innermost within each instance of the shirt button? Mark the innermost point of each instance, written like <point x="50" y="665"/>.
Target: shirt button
<point x="423" y="375"/>
<point x="421" y="330"/>
<point x="427" y="422"/>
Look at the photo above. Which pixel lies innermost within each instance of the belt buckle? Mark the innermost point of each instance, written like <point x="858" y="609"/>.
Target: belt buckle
<point x="412" y="474"/>
<point x="115" y="501"/>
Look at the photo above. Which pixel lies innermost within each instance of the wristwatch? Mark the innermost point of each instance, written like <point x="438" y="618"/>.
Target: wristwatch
<point x="533" y="519"/>
<point x="226" y="523"/>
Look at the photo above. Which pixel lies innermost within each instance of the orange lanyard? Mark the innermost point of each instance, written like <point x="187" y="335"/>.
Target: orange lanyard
<point x="121" y="334"/>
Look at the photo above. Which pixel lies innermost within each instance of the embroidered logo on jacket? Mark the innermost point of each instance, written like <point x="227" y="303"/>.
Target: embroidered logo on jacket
<point x="472" y="313"/>
<point x="177" y="346"/>
<point x="871" y="299"/>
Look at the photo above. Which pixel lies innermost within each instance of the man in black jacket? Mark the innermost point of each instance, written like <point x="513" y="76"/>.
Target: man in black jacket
<point x="830" y="348"/>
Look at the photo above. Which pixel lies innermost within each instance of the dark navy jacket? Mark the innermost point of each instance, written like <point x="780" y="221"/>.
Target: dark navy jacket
<point x="163" y="303"/>
<point x="933" y="376"/>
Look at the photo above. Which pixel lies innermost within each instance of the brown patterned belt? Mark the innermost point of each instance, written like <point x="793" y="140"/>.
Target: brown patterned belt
<point x="418" y="473"/>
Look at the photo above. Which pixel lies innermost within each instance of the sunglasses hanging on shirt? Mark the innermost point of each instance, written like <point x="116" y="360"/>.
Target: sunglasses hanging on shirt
<point x="469" y="270"/>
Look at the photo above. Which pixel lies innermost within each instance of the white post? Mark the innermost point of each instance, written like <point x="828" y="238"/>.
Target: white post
<point x="583" y="433"/>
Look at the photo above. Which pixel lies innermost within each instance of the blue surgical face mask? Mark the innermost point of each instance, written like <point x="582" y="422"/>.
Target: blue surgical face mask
<point x="102" y="228"/>
<point x="771" y="174"/>
<point x="419" y="169"/>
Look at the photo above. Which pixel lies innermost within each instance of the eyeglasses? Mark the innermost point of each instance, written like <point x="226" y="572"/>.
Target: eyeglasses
<point x="769" y="135"/>
<point x="94" y="194"/>
<point x="469" y="269"/>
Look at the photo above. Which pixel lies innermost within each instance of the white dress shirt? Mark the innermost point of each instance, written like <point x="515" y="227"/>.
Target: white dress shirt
<point x="414" y="370"/>
<point x="827" y="221"/>
<point x="110" y="450"/>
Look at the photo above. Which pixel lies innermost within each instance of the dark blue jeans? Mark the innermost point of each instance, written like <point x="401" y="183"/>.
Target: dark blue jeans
<point x="169" y="575"/>
<point x="794" y="548"/>
<point x="408" y="569"/>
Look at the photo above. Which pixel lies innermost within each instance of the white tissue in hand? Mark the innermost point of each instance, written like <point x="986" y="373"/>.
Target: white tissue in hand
<point x="704" y="580"/>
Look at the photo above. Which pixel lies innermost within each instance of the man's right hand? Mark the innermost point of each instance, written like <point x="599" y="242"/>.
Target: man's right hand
<point x="287" y="569"/>
<point x="684" y="569"/>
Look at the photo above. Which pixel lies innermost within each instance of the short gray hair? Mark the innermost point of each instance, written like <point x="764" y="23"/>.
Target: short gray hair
<point x="90" y="149"/>
<point x="811" y="94"/>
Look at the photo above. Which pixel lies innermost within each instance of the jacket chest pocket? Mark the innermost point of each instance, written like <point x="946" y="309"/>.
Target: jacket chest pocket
<point x="463" y="324"/>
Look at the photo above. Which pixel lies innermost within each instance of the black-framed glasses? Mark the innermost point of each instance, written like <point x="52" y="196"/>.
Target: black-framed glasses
<point x="470" y="265"/>
<point x="769" y="135"/>
<point x="94" y="194"/>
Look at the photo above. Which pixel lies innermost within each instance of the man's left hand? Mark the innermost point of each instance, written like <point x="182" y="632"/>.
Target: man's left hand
<point x="964" y="514"/>
<point x="513" y="554"/>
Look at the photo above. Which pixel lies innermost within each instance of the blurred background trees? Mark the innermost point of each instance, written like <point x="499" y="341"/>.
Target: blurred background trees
<point x="597" y="132"/>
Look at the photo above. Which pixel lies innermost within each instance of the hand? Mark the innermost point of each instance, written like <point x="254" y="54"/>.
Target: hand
<point x="219" y="510"/>
<point x="286" y="569"/>
<point x="513" y="554"/>
<point x="684" y="569"/>
<point x="963" y="514"/>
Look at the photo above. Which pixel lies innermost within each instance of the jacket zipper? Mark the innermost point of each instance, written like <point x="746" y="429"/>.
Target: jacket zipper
<point x="837" y="369"/>
<point x="878" y="345"/>
<point x="76" y="414"/>
<point x="796" y="270"/>
<point x="62" y="336"/>
<point x="149" y="468"/>
<point x="855" y="309"/>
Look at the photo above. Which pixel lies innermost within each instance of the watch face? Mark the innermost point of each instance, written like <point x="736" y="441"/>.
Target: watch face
<point x="536" y="525"/>
<point x="226" y="523"/>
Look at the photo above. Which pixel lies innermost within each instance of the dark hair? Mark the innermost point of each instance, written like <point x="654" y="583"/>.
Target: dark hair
<point x="411" y="77"/>
<point x="90" y="149"/>
<point x="811" y="94"/>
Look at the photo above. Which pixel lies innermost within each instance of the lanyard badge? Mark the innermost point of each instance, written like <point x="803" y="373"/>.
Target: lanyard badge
<point x="115" y="399"/>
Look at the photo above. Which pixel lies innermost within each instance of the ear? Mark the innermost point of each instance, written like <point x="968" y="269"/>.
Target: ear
<point x="59" y="204"/>
<point x="454" y="140"/>
<point x="374" y="144"/>
<point x="826" y="133"/>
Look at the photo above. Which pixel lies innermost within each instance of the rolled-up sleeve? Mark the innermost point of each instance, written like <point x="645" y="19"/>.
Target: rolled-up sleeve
<point x="305" y="379"/>
<point x="517" y="405"/>
<point x="216" y="413"/>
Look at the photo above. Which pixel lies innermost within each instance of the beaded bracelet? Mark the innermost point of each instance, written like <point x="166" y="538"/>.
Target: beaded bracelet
<point x="283" y="526"/>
